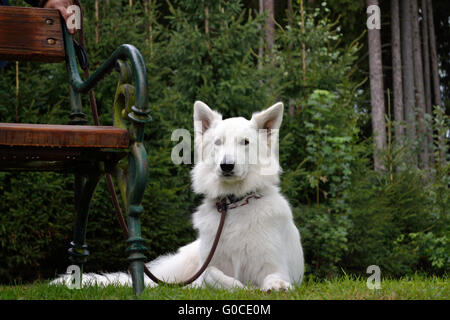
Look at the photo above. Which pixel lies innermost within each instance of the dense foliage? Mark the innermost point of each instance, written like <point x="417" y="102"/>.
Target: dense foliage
<point x="349" y="216"/>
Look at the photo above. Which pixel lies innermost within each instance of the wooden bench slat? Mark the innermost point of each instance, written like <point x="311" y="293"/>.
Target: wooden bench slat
<point x="48" y="135"/>
<point x="25" y="34"/>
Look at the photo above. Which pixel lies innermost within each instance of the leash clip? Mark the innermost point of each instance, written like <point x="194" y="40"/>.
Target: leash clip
<point x="222" y="205"/>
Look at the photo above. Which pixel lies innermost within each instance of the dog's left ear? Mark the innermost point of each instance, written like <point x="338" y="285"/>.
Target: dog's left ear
<point x="270" y="118"/>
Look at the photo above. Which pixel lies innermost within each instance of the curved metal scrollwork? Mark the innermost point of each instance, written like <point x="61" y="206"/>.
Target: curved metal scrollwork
<point x="132" y="176"/>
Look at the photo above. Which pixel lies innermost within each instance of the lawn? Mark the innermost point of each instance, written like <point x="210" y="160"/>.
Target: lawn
<point x="343" y="288"/>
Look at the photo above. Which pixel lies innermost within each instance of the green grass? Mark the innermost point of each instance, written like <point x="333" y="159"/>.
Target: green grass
<point x="343" y="288"/>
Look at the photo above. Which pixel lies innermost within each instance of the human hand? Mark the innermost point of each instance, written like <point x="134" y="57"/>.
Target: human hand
<point x="61" y="6"/>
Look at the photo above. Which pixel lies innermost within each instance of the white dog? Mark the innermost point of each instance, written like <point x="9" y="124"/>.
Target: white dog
<point x="260" y="244"/>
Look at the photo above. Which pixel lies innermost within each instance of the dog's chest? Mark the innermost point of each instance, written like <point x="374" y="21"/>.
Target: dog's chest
<point x="244" y="237"/>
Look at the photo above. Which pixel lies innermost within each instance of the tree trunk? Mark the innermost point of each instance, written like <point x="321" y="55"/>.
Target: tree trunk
<point x="290" y="15"/>
<point x="420" y="88"/>
<point x="270" y="24"/>
<point x="435" y="74"/>
<point x="397" y="72"/>
<point x="96" y="22"/>
<point x="302" y="15"/>
<point x="376" y="93"/>
<point x="408" y="71"/>
<point x="290" y="12"/>
<point x="150" y="27"/>
<point x="426" y="56"/>
<point x="207" y="26"/>
<point x="427" y="75"/>
<point x="433" y="54"/>
<point x="261" y="43"/>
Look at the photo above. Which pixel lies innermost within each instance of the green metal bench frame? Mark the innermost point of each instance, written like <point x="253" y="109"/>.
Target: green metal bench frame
<point x="130" y="104"/>
<point x="129" y="166"/>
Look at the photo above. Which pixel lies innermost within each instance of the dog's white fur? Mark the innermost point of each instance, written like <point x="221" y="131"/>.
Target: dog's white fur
<point x="260" y="245"/>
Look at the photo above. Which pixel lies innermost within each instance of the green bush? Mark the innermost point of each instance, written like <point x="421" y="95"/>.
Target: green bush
<point x="34" y="213"/>
<point x="324" y="238"/>
<point x="393" y="225"/>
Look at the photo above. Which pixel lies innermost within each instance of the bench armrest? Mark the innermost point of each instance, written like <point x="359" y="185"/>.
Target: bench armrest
<point x="139" y="114"/>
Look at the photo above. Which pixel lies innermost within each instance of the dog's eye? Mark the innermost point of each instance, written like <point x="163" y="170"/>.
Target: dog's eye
<point x="245" y="142"/>
<point x="218" y="142"/>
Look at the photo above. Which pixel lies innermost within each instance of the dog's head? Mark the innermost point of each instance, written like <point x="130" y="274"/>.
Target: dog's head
<point x="235" y="156"/>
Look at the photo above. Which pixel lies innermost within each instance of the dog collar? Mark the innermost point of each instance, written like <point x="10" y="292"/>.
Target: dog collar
<point x="231" y="201"/>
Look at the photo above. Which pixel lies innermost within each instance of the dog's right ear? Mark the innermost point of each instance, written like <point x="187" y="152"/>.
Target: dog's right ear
<point x="204" y="117"/>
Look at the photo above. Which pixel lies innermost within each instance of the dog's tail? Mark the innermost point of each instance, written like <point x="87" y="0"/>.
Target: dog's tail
<point x="175" y="267"/>
<point x="94" y="279"/>
<point x="179" y="266"/>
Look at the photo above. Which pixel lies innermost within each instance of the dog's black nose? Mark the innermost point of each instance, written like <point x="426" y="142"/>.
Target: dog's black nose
<point x="227" y="167"/>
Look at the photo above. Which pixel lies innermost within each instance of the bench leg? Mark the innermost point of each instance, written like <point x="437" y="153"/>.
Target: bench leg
<point x="137" y="179"/>
<point x="84" y="189"/>
<point x="136" y="249"/>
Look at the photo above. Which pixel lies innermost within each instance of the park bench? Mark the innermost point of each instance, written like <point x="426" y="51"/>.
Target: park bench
<point x="87" y="151"/>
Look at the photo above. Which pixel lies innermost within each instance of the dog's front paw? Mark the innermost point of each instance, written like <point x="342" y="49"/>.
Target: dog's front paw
<point x="216" y="278"/>
<point x="275" y="283"/>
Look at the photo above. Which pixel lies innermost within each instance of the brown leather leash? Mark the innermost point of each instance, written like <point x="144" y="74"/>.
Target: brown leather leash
<point x="222" y="206"/>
